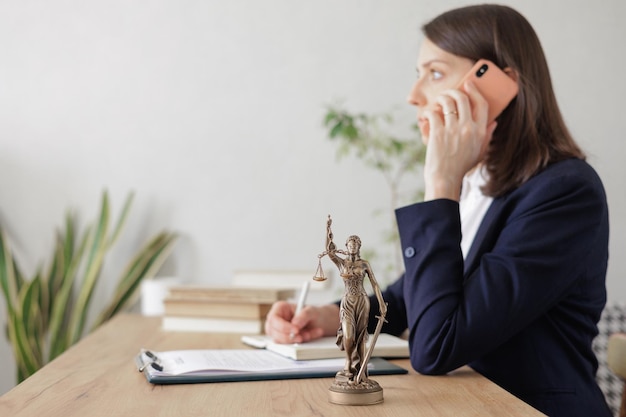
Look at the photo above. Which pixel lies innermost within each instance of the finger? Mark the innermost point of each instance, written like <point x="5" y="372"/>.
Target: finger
<point x="286" y="338"/>
<point x="448" y="106"/>
<point x="278" y="321"/>
<point x="305" y="316"/>
<point x="307" y="324"/>
<point x="479" y="105"/>
<point x="306" y="335"/>
<point x="435" y="120"/>
<point x="462" y="105"/>
<point x="281" y="333"/>
<point x="304" y="319"/>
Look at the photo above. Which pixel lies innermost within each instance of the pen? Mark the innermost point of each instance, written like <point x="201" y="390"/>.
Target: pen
<point x="301" y="301"/>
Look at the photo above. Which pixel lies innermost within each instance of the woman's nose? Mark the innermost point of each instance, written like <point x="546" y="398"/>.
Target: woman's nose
<point x="415" y="97"/>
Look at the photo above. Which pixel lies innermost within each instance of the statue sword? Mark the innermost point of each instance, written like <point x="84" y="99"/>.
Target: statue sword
<point x="368" y="355"/>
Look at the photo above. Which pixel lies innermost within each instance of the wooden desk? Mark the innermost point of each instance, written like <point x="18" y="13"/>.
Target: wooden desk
<point x="97" y="377"/>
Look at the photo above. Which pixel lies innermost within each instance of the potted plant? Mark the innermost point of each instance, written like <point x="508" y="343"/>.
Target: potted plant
<point x="369" y="137"/>
<point x="48" y="313"/>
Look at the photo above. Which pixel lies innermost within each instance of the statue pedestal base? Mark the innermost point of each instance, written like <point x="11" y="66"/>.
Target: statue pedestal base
<point x="366" y="393"/>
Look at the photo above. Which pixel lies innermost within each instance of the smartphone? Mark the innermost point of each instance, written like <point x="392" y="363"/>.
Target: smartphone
<point x="494" y="85"/>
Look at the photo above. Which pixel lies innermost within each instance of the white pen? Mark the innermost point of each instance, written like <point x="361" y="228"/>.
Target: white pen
<point x="301" y="301"/>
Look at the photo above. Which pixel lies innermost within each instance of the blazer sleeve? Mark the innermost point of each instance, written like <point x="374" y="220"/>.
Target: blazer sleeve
<point x="538" y="253"/>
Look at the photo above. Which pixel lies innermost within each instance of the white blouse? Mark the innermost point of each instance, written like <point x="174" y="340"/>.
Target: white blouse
<point x="473" y="205"/>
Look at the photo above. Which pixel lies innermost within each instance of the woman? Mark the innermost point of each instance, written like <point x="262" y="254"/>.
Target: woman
<point x="505" y="260"/>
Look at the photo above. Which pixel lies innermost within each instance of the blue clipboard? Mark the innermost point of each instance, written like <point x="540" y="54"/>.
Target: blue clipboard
<point x="150" y="366"/>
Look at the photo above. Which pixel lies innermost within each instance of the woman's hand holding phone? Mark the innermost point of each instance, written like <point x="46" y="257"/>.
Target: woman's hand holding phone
<point x="458" y="138"/>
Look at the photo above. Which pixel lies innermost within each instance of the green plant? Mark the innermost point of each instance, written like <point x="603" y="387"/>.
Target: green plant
<point x="369" y="138"/>
<point x="48" y="313"/>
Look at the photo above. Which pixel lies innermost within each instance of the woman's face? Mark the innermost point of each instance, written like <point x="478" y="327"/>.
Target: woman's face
<point x="437" y="71"/>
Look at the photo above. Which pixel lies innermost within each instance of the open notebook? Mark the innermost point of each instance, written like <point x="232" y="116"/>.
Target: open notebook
<point x="387" y="346"/>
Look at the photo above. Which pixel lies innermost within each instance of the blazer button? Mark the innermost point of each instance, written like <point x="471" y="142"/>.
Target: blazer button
<point x="409" y="252"/>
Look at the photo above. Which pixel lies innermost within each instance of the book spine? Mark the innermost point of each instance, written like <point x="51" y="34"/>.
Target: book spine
<point x="206" y="295"/>
<point x="195" y="308"/>
<point x="212" y="325"/>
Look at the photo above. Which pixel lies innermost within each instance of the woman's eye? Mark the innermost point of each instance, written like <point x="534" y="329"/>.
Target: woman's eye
<point x="435" y="75"/>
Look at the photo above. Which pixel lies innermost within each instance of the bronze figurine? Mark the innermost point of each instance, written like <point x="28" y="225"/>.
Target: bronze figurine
<point x="352" y="385"/>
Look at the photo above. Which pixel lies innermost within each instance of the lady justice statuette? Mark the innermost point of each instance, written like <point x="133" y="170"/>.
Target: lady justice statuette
<point x="352" y="385"/>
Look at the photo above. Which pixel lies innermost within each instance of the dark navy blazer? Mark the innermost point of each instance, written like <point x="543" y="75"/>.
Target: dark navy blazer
<point x="522" y="308"/>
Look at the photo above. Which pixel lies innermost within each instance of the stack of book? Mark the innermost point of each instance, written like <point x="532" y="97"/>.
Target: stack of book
<point x="220" y="309"/>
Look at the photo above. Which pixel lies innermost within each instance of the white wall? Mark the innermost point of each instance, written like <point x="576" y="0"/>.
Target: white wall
<point x="211" y="111"/>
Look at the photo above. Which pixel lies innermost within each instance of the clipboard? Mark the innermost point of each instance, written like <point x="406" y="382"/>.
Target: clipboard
<point x="158" y="369"/>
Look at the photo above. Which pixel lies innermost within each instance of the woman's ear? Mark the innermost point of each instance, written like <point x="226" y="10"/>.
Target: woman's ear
<point x="511" y="73"/>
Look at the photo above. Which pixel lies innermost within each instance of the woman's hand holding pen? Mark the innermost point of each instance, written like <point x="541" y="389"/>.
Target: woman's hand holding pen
<point x="312" y="322"/>
<point x="458" y="139"/>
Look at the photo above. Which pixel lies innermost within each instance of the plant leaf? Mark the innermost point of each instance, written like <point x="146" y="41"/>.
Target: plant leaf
<point x="26" y="361"/>
<point x="122" y="220"/>
<point x="145" y="264"/>
<point x="32" y="320"/>
<point x="95" y="258"/>
<point x="62" y="308"/>
<point x="8" y="276"/>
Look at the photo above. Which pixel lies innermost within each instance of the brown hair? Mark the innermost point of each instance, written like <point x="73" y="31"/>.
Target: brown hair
<point x="531" y="132"/>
